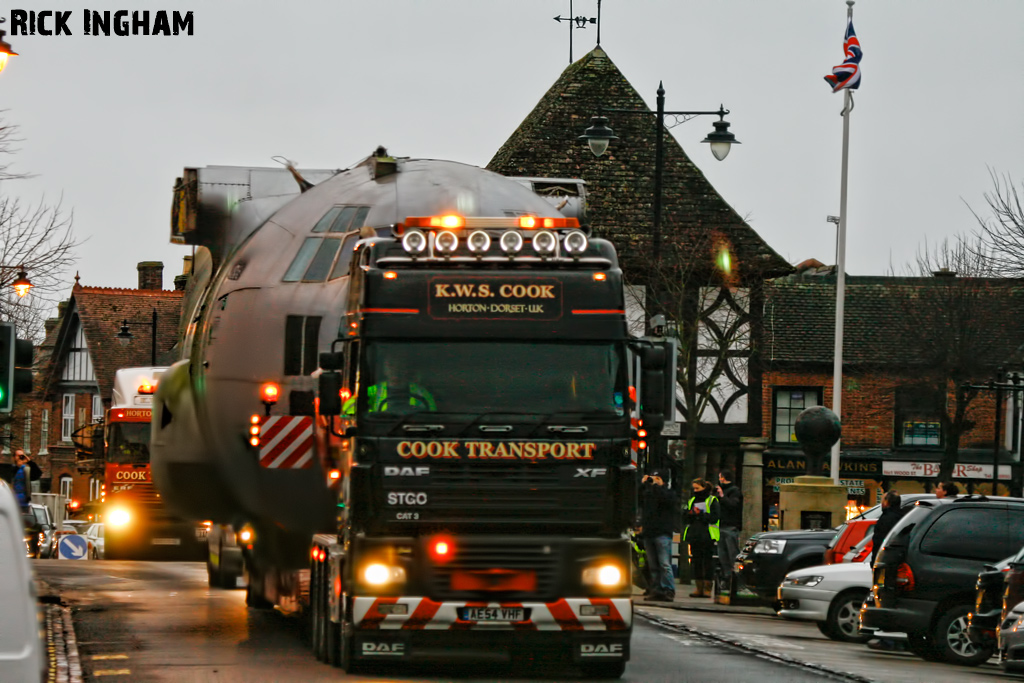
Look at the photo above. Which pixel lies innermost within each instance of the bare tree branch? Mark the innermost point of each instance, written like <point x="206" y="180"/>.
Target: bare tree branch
<point x="36" y="238"/>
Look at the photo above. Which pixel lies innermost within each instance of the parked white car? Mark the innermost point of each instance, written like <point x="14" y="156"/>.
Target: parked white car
<point x="22" y="655"/>
<point x="1011" y="640"/>
<point x="94" y="535"/>
<point x="829" y="595"/>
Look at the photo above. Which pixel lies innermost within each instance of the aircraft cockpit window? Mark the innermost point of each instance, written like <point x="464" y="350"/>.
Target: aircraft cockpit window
<point x="302" y="259"/>
<point x="360" y="218"/>
<point x="321" y="264"/>
<point x="342" y="222"/>
<point x="345" y="258"/>
<point x="324" y="223"/>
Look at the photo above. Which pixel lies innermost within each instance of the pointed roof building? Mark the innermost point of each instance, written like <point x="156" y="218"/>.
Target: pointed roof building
<point x="620" y="184"/>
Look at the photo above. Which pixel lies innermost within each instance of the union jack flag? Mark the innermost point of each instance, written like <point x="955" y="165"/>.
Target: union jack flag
<point x="847" y="74"/>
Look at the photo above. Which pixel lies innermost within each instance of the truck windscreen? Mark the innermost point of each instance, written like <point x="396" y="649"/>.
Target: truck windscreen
<point x="403" y="378"/>
<point x="128" y="443"/>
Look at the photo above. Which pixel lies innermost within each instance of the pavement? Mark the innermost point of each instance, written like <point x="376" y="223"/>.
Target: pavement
<point x="684" y="602"/>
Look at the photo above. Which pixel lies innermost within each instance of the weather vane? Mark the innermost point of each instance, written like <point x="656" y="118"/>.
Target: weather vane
<point x="581" y="22"/>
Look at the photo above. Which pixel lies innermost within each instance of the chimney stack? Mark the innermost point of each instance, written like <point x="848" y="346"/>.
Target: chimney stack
<point x="151" y="275"/>
<point x="50" y="324"/>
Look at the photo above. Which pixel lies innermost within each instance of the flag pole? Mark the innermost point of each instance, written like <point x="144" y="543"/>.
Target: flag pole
<point x="837" y="368"/>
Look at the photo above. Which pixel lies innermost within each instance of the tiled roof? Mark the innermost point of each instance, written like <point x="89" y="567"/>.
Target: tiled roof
<point x="101" y="311"/>
<point x="893" y="320"/>
<point x="620" y="185"/>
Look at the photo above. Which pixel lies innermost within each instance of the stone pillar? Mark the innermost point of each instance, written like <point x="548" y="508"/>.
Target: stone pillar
<point x="753" y="485"/>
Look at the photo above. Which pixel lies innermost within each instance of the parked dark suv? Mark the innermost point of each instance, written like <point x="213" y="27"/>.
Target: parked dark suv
<point x="925" y="575"/>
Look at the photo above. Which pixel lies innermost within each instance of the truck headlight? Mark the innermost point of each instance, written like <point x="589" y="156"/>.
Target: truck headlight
<point x="414" y="241"/>
<point x="544" y="242"/>
<point x="380" y="574"/>
<point x="119" y="517"/>
<point x="446" y="242"/>
<point x="511" y="242"/>
<point x="769" y="546"/>
<point x="479" y="241"/>
<point x="605" y="576"/>
<point x="575" y="242"/>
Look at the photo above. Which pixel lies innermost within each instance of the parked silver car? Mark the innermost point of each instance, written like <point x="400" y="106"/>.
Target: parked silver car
<point x="1011" y="640"/>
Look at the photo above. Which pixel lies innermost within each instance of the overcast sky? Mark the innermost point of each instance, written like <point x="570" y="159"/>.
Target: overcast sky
<point x="109" y="122"/>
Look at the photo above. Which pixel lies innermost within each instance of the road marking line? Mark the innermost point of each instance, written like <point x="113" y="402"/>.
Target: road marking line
<point x="112" y="672"/>
<point x="120" y="656"/>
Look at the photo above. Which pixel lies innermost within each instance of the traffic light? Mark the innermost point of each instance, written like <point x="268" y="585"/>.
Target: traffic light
<point x="15" y="366"/>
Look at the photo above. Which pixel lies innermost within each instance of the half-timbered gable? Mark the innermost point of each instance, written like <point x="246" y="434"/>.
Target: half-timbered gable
<point x="711" y="264"/>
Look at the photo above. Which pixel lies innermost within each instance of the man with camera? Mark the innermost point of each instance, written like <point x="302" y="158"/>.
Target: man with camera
<point x="730" y="500"/>
<point x="659" y="504"/>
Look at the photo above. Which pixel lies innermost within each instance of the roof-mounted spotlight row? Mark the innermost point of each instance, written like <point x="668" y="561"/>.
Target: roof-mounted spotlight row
<point x="545" y="242"/>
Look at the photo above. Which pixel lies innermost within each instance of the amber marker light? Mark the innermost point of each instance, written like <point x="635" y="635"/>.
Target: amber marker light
<point x="528" y="222"/>
<point x="334" y="475"/>
<point x="600" y="277"/>
<point x="270" y="392"/>
<point x="147" y="387"/>
<point x="390" y="275"/>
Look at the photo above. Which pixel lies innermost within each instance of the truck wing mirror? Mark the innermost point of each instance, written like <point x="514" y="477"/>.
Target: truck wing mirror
<point x="657" y="383"/>
<point x="332" y="360"/>
<point x="330" y="392"/>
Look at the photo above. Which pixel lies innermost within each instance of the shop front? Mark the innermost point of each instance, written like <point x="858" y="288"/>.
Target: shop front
<point x="861" y="474"/>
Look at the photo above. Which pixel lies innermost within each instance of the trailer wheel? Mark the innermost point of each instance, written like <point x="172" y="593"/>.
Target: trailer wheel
<point x="604" y="669"/>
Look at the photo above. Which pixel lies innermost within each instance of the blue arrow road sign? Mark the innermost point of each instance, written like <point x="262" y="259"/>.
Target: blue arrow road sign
<point x="73" y="547"/>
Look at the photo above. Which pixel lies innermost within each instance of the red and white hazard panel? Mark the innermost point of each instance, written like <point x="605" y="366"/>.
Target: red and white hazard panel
<point x="286" y="442"/>
<point x="568" y="614"/>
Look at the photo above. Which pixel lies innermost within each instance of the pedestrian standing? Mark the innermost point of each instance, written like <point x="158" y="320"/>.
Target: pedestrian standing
<point x="702" y="533"/>
<point x="658" y="513"/>
<point x="730" y="500"/>
<point x="891" y="514"/>
<point x="22" y="483"/>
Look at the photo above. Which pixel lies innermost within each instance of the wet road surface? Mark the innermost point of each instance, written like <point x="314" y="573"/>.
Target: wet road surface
<point x="159" y="622"/>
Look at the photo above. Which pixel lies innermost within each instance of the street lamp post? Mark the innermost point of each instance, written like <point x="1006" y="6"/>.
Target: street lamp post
<point x="721" y="140"/>
<point x="125" y="336"/>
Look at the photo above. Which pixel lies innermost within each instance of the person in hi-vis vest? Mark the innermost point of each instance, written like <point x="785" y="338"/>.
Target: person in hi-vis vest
<point x="701" y="516"/>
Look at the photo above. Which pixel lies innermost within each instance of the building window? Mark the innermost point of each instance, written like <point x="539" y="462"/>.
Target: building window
<point x="97" y="408"/>
<point x="65" y="486"/>
<point x="790" y="402"/>
<point x="301" y="344"/>
<point x="95" y="489"/>
<point x="28" y="432"/>
<point x="44" y="431"/>
<point x="67" y="423"/>
<point x="919" y="417"/>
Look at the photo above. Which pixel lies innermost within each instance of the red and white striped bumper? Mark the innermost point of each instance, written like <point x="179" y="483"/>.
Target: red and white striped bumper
<point x="426" y="615"/>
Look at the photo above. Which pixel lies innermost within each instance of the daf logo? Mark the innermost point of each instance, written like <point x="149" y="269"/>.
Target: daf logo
<point x="590" y="472"/>
<point x="601" y="650"/>
<point x="384" y="649"/>
<point x="406" y="471"/>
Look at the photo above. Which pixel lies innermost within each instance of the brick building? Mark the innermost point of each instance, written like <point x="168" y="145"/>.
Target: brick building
<point x="908" y="343"/>
<point x="75" y="368"/>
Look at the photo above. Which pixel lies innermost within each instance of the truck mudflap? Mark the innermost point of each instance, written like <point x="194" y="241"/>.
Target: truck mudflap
<point x="418" y="613"/>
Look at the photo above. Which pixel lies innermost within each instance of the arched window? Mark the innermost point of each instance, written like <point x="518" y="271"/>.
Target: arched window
<point x="65" y="485"/>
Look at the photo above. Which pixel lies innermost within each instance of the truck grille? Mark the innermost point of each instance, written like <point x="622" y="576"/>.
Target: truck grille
<point x="532" y="493"/>
<point x="517" y="555"/>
